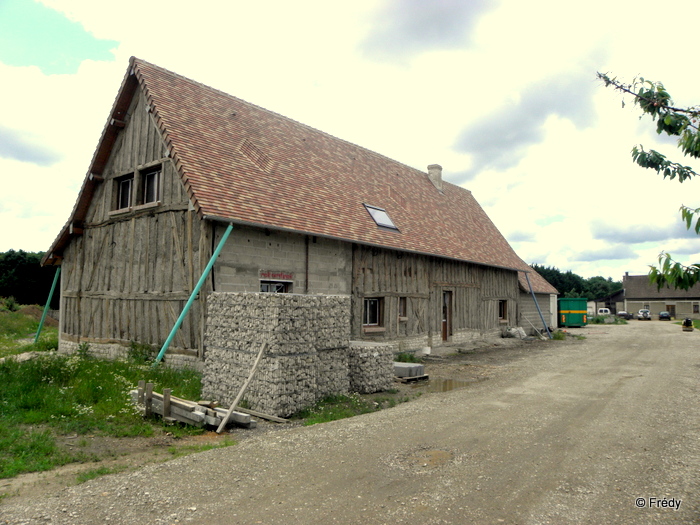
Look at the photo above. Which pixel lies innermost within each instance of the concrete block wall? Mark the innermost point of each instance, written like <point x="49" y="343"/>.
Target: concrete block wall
<point x="308" y="354"/>
<point x="249" y="251"/>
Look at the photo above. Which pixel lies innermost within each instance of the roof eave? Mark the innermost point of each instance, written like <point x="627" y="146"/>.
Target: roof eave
<point x="215" y="218"/>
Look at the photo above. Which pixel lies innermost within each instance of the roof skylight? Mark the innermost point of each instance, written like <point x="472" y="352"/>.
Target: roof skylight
<point x="381" y="217"/>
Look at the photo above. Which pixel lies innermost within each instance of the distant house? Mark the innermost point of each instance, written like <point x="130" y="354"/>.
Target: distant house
<point x="614" y="302"/>
<point x="178" y="162"/>
<point x="640" y="293"/>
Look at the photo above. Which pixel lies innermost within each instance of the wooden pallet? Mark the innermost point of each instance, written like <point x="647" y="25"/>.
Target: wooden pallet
<point x="174" y="409"/>
<point x="413" y="379"/>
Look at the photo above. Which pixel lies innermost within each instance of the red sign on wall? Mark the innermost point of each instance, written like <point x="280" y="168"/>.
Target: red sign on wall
<point x="276" y="276"/>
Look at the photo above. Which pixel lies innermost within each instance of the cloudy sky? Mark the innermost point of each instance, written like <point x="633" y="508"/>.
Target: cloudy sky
<point x="501" y="93"/>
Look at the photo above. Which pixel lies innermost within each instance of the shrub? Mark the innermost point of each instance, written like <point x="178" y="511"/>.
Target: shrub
<point x="406" y="357"/>
<point x="141" y="353"/>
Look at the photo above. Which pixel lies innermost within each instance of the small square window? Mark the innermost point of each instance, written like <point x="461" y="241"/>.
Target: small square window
<point x="381" y="217"/>
<point x="372" y="314"/>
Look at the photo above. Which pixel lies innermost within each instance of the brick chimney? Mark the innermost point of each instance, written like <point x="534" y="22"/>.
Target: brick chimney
<point x="435" y="175"/>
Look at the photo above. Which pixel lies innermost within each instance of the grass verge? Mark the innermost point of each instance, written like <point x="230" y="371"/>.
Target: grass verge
<point x="53" y="395"/>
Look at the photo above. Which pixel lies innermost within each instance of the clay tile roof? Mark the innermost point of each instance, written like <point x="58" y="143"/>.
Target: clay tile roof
<point x="242" y="163"/>
<point x="539" y="283"/>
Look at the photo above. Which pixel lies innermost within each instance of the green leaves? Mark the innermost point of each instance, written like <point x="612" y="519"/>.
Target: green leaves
<point x="654" y="160"/>
<point x="654" y="100"/>
<point x="674" y="274"/>
<point x="688" y="215"/>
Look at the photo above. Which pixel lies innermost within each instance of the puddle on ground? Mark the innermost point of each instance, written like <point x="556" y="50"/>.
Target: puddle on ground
<point x="440" y="384"/>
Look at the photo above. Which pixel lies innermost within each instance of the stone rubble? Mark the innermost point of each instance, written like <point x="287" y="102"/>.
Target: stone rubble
<point x="308" y="356"/>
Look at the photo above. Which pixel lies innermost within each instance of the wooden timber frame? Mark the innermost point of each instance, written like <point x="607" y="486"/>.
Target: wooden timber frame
<point x="127" y="271"/>
<point x="475" y="292"/>
<point x="128" y="275"/>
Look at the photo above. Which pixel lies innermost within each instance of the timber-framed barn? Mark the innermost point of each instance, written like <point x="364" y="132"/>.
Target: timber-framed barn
<point x="177" y="162"/>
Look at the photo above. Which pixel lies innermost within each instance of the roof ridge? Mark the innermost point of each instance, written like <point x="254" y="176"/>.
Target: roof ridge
<point x="135" y="60"/>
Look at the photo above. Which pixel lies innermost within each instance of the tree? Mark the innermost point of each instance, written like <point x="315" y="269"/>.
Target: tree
<point x="22" y="277"/>
<point x="653" y="99"/>
<point x="570" y="284"/>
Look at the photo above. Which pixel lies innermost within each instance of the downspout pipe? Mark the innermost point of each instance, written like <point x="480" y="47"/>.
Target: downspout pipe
<point x="48" y="304"/>
<point x="529" y="285"/>
<point x="194" y="294"/>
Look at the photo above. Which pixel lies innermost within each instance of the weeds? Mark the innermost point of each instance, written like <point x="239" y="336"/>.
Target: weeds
<point x="336" y="406"/>
<point x="141" y="353"/>
<point x="70" y="394"/>
<point x="97" y="472"/>
<point x="606" y="319"/>
<point x="407" y="357"/>
<point x="191" y="449"/>
<point x="8" y="304"/>
<point x="340" y="406"/>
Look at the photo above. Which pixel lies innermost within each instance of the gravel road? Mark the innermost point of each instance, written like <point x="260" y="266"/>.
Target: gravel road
<point x="601" y="430"/>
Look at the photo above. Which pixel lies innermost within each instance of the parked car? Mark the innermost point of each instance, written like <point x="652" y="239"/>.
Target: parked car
<point x="664" y="316"/>
<point x="625" y="315"/>
<point x="603" y="311"/>
<point x="644" y="315"/>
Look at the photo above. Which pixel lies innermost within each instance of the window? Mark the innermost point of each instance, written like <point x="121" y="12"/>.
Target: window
<point x="124" y="187"/>
<point x="372" y="314"/>
<point x="381" y="217"/>
<point x="151" y="186"/>
<point x="403" y="311"/>
<point x="502" y="310"/>
<point x="276" y="286"/>
<point x="696" y="308"/>
<point x="142" y="187"/>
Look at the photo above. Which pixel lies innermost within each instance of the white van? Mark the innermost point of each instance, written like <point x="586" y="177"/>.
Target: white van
<point x="603" y="311"/>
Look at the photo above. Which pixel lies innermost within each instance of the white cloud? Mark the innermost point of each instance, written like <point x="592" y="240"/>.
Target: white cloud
<point x="563" y="189"/>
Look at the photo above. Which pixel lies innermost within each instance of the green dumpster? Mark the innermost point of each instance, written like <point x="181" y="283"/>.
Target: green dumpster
<point x="573" y="312"/>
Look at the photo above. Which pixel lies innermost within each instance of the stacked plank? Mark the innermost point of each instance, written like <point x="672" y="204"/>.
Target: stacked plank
<point x="174" y="409"/>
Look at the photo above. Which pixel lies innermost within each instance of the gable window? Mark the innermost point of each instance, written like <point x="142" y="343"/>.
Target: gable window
<point x="140" y="188"/>
<point x="381" y="217"/>
<point x="151" y="186"/>
<point x="372" y="312"/>
<point x="276" y="286"/>
<point x="124" y="191"/>
<point x="502" y="310"/>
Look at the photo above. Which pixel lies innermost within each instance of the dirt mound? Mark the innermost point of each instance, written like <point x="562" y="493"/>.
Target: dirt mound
<point x="35" y="312"/>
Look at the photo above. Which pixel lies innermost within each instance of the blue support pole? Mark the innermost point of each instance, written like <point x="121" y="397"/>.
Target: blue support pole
<point x="48" y="304"/>
<point x="196" y="290"/>
<point x="534" y="298"/>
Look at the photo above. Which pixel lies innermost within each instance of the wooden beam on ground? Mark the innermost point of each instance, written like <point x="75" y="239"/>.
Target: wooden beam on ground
<point x="243" y="388"/>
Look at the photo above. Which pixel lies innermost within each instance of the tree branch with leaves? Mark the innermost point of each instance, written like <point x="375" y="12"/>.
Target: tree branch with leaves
<point x="654" y="100"/>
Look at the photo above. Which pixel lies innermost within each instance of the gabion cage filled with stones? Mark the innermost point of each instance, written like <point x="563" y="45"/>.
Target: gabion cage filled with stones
<point x="308" y="354"/>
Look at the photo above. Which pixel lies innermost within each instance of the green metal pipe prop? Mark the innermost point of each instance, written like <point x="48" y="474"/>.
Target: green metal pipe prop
<point x="194" y="294"/>
<point x="48" y="304"/>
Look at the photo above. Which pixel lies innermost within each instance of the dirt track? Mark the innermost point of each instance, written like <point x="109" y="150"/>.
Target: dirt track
<point x="570" y="432"/>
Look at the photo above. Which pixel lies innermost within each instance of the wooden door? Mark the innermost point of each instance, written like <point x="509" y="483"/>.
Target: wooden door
<point x="446" y="315"/>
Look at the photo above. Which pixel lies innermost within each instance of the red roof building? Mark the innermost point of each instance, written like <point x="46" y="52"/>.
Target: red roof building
<point x="177" y="161"/>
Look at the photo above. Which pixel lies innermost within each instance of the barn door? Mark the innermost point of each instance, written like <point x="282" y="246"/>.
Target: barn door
<point x="446" y="315"/>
